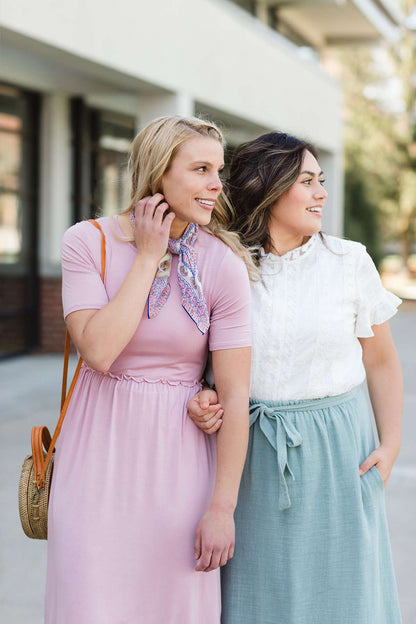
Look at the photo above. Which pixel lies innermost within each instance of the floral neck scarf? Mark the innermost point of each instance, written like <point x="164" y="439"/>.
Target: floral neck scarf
<point x="193" y="300"/>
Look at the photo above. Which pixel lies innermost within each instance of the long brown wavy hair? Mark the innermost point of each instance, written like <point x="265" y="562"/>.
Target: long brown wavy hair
<point x="261" y="171"/>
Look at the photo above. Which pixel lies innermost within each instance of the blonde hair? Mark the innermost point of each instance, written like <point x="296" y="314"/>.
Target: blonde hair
<point x="152" y="153"/>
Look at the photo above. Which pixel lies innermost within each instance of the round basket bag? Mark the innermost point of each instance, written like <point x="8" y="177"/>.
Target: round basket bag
<point x="33" y="500"/>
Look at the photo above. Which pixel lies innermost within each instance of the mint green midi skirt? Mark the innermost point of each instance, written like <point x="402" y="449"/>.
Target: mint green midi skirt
<point x="312" y="544"/>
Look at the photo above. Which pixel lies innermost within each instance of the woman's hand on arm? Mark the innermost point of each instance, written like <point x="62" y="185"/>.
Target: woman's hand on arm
<point x="205" y="410"/>
<point x="385" y="385"/>
<point x="101" y="335"/>
<point x="215" y="535"/>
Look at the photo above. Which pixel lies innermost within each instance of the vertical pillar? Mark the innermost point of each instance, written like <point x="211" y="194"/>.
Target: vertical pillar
<point x="55" y="180"/>
<point x="332" y="166"/>
<point x="55" y="216"/>
<point x="261" y="9"/>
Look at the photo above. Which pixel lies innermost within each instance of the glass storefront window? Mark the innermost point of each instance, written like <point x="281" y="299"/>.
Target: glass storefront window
<point x="10" y="166"/>
<point x="112" y="189"/>
<point x="101" y="143"/>
<point x="10" y="159"/>
<point x="19" y="120"/>
<point x="10" y="229"/>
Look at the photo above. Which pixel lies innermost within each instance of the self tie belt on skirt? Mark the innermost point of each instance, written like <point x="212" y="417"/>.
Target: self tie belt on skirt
<point x="278" y="427"/>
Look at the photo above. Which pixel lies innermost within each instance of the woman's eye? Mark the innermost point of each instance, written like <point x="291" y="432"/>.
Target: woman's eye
<point x="203" y="168"/>
<point x="308" y="181"/>
<point x="322" y="181"/>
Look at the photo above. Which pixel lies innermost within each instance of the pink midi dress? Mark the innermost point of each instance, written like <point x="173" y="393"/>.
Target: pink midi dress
<point x="133" y="475"/>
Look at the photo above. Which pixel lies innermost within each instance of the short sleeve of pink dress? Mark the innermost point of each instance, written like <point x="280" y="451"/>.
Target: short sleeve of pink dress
<point x="82" y="288"/>
<point x="230" y="312"/>
<point x="133" y="475"/>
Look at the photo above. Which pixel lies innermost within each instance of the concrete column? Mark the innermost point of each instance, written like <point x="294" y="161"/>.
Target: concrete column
<point x="55" y="181"/>
<point x="261" y="11"/>
<point x="332" y="166"/>
<point x="152" y="106"/>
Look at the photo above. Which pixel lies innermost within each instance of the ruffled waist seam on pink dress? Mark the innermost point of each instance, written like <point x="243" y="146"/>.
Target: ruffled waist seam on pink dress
<point x="144" y="379"/>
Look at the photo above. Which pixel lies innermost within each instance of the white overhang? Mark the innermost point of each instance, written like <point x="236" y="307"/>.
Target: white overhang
<point x="332" y="22"/>
<point x="213" y="52"/>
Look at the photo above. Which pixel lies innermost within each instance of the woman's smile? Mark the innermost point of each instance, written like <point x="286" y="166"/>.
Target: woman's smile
<point x="207" y="204"/>
<point x="315" y="210"/>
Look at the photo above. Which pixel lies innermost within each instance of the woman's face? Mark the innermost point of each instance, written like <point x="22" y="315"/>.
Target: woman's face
<point x="192" y="183"/>
<point x="298" y="212"/>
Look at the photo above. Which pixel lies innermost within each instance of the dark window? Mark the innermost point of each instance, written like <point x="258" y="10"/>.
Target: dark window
<point x="101" y="143"/>
<point x="19" y="141"/>
<point x="111" y="188"/>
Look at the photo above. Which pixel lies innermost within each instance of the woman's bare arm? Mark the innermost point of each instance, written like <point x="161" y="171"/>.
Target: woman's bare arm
<point x="214" y="543"/>
<point x="101" y="335"/>
<point x="385" y="385"/>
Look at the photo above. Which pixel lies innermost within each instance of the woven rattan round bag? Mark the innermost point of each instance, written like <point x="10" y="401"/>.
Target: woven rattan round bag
<point x="33" y="500"/>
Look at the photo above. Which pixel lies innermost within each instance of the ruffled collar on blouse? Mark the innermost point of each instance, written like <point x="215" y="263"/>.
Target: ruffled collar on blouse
<point x="271" y="263"/>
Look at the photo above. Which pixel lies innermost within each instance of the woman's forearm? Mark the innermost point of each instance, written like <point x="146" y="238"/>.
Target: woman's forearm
<point x="232" y="441"/>
<point x="385" y="387"/>
<point x="215" y="534"/>
<point x="232" y="378"/>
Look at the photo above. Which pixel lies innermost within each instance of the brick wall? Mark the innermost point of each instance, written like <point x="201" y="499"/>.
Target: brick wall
<point x="16" y="322"/>
<point x="15" y="316"/>
<point x="51" y="323"/>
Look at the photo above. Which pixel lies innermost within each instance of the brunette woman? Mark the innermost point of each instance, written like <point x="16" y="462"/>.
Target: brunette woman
<point x="312" y="544"/>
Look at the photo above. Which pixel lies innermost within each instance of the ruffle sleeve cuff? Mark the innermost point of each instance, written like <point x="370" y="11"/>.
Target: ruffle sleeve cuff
<point x="376" y="314"/>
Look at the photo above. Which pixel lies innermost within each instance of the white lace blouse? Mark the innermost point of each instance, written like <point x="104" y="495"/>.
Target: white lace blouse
<point x="307" y="314"/>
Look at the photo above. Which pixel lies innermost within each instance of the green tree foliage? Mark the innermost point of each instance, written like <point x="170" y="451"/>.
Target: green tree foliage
<point x="380" y="142"/>
<point x="403" y="57"/>
<point x="361" y="217"/>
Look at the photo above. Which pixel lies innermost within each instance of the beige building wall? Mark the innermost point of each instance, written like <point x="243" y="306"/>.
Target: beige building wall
<point x="145" y="59"/>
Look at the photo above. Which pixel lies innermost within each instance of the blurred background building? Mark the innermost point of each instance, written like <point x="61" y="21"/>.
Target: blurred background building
<point x="79" y="78"/>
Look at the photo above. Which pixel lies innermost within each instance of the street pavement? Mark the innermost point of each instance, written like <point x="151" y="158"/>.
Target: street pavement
<point x="30" y="395"/>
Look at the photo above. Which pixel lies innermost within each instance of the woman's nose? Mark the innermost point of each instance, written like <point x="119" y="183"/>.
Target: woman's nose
<point x="215" y="183"/>
<point x="321" y="191"/>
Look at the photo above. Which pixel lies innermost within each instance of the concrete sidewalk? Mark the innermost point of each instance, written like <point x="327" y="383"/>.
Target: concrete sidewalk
<point x="30" y="395"/>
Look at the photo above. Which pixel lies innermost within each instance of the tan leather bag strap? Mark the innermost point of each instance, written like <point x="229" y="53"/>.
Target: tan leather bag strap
<point x="40" y="435"/>
<point x="65" y="370"/>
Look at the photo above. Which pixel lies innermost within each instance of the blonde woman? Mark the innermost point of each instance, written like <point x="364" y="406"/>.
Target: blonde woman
<point x="312" y="544"/>
<point x="141" y="510"/>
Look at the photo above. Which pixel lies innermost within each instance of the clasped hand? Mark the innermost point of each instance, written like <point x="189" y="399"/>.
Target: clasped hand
<point x="205" y="411"/>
